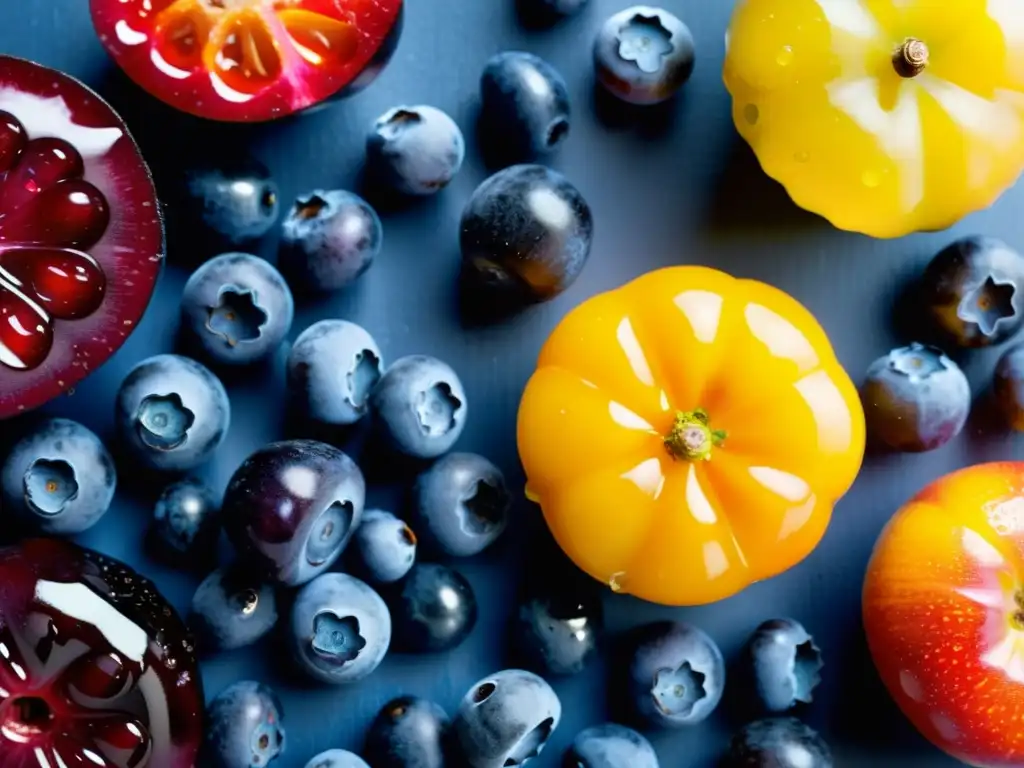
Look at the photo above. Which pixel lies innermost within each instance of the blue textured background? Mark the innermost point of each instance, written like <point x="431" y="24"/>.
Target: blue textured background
<point x="667" y="186"/>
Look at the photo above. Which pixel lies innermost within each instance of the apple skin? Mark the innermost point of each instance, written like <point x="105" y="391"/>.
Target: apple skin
<point x="943" y="609"/>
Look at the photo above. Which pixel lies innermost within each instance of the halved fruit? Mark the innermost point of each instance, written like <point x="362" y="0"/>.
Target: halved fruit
<point x="248" y="60"/>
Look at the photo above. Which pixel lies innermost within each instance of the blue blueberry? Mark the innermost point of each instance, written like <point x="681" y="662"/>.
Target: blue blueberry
<point x="915" y="399"/>
<point x="329" y="239"/>
<point x="58" y="479"/>
<point x="460" y="505"/>
<point x="232" y="608"/>
<point x="340" y="629"/>
<point x="244" y="728"/>
<point x="415" y="150"/>
<point x="505" y="719"/>
<point x="172" y="413"/>
<point x="644" y="55"/>
<point x="433" y="609"/>
<point x="337" y="758"/>
<point x="186" y="524"/>
<point x="332" y="369"/>
<point x="236" y="199"/>
<point x="525" y="105"/>
<point x="558" y="633"/>
<point x="236" y="309"/>
<point x="610" y="746"/>
<point x="784" y="664"/>
<point x="419" y="406"/>
<point x="778" y="742"/>
<point x="1008" y="386"/>
<point x="676" y="674"/>
<point x="409" y="732"/>
<point x="384" y="547"/>
<point x="526" y="233"/>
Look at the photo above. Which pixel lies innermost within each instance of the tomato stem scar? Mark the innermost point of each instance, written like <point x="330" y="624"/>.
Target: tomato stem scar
<point x="911" y="58"/>
<point x="692" y="437"/>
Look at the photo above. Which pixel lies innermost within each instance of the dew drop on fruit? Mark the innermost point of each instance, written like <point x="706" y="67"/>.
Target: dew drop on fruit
<point x="785" y="56"/>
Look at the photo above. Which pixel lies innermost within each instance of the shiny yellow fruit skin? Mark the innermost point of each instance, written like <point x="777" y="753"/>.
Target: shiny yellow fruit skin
<point x="609" y="384"/>
<point x="817" y="94"/>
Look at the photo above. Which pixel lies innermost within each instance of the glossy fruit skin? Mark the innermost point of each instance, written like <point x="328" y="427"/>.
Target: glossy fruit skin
<point x="419" y="406"/>
<point x="415" y="150"/>
<point x="329" y="239"/>
<point x="507" y="716"/>
<point x="408" y="732"/>
<point x="244" y="727"/>
<point x="433" y="609"/>
<point x="666" y="656"/>
<point x="777" y="742"/>
<point x="88" y="271"/>
<point x="333" y="367"/>
<point x="340" y="629"/>
<point x="127" y="633"/>
<point x="58" y="479"/>
<point x="610" y="383"/>
<point x="185" y="527"/>
<point x="1008" y="386"/>
<point x="171" y="413"/>
<point x="810" y="133"/>
<point x="558" y="632"/>
<point x="337" y="758"/>
<point x="235" y="198"/>
<point x="526" y="233"/>
<point x="610" y="746"/>
<point x="644" y="55"/>
<point x="941" y="602"/>
<point x="384" y="547"/>
<point x="232" y="608"/>
<point x="784" y="664"/>
<point x="460" y="504"/>
<point x="292" y="506"/>
<point x="915" y="398"/>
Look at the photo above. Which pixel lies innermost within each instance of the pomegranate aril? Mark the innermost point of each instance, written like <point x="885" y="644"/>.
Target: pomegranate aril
<point x="101" y="678"/>
<point x="26" y="335"/>
<point x="43" y="163"/>
<point x="69" y="214"/>
<point x="67" y="283"/>
<point x="124" y="741"/>
<point x="319" y="39"/>
<point x="244" y="53"/>
<point x="12" y="140"/>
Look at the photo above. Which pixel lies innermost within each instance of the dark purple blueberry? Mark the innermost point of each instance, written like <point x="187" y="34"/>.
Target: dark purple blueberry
<point x="558" y="633"/>
<point x="340" y="629"/>
<point x="526" y="233"/>
<point x="415" y="150"/>
<point x="57" y="479"/>
<point x="232" y="608"/>
<point x="236" y="309"/>
<point x="778" y="742"/>
<point x="329" y="239"/>
<point x="186" y="524"/>
<point x="1009" y="386"/>
<point x="971" y="291"/>
<point x="460" y="504"/>
<point x="915" y="398"/>
<point x="505" y="719"/>
<point x="676" y="674"/>
<point x="172" y="413"/>
<point x="419" y="406"/>
<point x="384" y="547"/>
<point x="244" y="728"/>
<point x="784" y="664"/>
<point x="408" y="732"/>
<point x="235" y="199"/>
<point x="644" y="55"/>
<point x="292" y="507"/>
<point x="332" y="369"/>
<point x="337" y="758"/>
<point x="610" y="746"/>
<point x="433" y="609"/>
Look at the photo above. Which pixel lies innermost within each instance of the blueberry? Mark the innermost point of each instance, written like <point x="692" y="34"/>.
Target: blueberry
<point x="172" y="413"/>
<point x="292" y="506"/>
<point x="643" y="55"/>
<point x="244" y="728"/>
<point x="557" y="633"/>
<point x="236" y="309"/>
<point x="784" y="664"/>
<point x="546" y="9"/>
<point x="408" y="732"/>
<point x="419" y="406"/>
<point x="340" y="629"/>
<point x="329" y="239"/>
<point x="525" y="105"/>
<point x="915" y="398"/>
<point x="236" y="199"/>
<point x="610" y="746"/>
<point x="433" y="609"/>
<point x="337" y="758"/>
<point x="332" y="368"/>
<point x="526" y="233"/>
<point x="58" y="479"/>
<point x="385" y="547"/>
<point x="186" y="524"/>
<point x="676" y="674"/>
<point x="1008" y="386"/>
<point x="415" y="150"/>
<point x="460" y="505"/>
<point x="505" y="719"/>
<point x="971" y="291"/>
<point x="232" y="608"/>
<point x="778" y="742"/>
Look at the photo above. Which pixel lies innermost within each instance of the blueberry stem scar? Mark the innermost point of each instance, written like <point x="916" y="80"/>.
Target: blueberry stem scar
<point x="691" y="437"/>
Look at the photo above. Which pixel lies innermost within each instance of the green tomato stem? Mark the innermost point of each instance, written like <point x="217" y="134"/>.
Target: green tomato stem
<point x="691" y="437"/>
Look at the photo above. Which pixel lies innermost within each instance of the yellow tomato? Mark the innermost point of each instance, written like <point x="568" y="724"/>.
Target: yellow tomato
<point x="884" y="116"/>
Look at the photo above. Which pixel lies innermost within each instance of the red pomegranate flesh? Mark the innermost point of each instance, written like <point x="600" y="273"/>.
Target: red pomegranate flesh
<point x="95" y="668"/>
<point x="81" y="240"/>
<point x="248" y="60"/>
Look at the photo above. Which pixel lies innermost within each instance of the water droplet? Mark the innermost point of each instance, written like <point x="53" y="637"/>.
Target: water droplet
<point x="802" y="157"/>
<point x="617" y="582"/>
<point x="871" y="178"/>
<point x="751" y="114"/>
<point x="785" y="56"/>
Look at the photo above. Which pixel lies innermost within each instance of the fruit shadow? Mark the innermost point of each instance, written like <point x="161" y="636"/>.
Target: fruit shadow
<point x="481" y="305"/>
<point x="908" y="315"/>
<point x="535" y="17"/>
<point x="386" y="200"/>
<point x="649" y="121"/>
